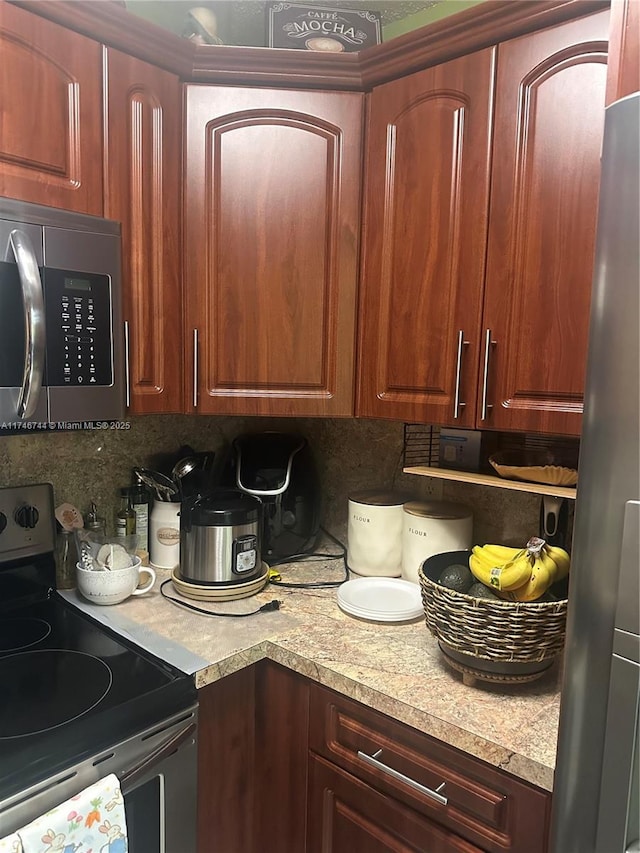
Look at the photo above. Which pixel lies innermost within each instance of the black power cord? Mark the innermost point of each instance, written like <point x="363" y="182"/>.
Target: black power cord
<point x="314" y="557"/>
<point x="266" y="608"/>
<point x="270" y="606"/>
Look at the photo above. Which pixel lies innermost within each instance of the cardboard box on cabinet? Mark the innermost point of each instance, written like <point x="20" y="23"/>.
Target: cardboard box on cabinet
<point x="321" y="28"/>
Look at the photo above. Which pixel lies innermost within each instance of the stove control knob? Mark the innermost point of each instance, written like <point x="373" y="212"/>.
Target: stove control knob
<point x="27" y="516"/>
<point x="3" y="521"/>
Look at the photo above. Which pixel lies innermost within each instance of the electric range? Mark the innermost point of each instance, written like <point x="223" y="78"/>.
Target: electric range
<point x="69" y="686"/>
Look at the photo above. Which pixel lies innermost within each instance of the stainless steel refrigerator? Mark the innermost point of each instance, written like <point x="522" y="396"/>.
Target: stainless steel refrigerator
<point x="596" y="793"/>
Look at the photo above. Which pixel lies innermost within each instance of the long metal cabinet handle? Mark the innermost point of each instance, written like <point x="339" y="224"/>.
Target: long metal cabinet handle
<point x="127" y="369"/>
<point x="488" y="343"/>
<point x="164" y="749"/>
<point x="34" y="324"/>
<point x="457" y="403"/>
<point x="373" y="760"/>
<point x="195" y="368"/>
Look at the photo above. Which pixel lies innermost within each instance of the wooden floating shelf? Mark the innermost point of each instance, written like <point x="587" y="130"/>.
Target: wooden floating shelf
<point x="490" y="480"/>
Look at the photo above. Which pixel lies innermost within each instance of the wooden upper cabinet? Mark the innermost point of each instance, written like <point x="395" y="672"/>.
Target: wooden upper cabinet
<point x="143" y="154"/>
<point x="623" y="76"/>
<point x="544" y="197"/>
<point x="272" y="224"/>
<point x="50" y="113"/>
<point x="424" y="239"/>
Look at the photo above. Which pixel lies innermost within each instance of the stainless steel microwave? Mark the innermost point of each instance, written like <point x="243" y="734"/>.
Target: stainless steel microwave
<point x="61" y="333"/>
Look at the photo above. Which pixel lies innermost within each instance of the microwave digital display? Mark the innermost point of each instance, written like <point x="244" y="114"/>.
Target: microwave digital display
<point x="77" y="284"/>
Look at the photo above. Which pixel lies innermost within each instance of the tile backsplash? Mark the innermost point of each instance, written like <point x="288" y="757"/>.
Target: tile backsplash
<point x="351" y="454"/>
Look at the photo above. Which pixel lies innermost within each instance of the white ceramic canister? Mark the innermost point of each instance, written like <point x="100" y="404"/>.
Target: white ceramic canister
<point x="374" y="533"/>
<point x="164" y="535"/>
<point x="433" y="527"/>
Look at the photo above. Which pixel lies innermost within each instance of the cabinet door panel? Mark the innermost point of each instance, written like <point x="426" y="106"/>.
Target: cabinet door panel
<point x="427" y="183"/>
<point x="623" y="76"/>
<point x="226" y="755"/>
<point x="484" y="805"/>
<point x="345" y="815"/>
<point x="143" y="154"/>
<point x="272" y="224"/>
<point x="549" y="121"/>
<point x="51" y="115"/>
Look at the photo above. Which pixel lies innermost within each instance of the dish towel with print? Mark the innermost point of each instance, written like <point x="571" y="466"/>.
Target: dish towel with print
<point x="11" y="843"/>
<point x="91" y="822"/>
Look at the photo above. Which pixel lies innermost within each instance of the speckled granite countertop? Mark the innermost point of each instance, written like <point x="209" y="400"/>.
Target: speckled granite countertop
<point x="395" y="668"/>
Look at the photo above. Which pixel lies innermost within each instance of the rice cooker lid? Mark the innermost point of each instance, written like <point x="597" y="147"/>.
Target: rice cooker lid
<point x="437" y="509"/>
<point x="377" y="497"/>
<point x="225" y="508"/>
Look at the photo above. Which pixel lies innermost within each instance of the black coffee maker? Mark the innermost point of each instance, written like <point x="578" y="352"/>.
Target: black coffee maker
<point x="280" y="470"/>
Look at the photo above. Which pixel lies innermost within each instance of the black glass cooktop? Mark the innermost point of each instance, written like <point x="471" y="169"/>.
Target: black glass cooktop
<point x="71" y="688"/>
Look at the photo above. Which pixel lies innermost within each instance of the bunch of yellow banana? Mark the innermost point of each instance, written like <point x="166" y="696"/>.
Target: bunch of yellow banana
<point x="520" y="574"/>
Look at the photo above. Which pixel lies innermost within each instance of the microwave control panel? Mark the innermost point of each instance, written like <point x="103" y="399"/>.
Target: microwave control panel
<point x="79" y="333"/>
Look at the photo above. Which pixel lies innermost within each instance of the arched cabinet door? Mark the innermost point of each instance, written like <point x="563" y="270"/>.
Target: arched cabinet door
<point x="425" y="226"/>
<point x="549" y="120"/>
<point x="142" y="191"/>
<point x="50" y="113"/>
<point x="272" y="222"/>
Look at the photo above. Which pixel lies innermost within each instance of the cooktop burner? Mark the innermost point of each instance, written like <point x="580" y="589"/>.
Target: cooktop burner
<point x="77" y="690"/>
<point x="18" y="634"/>
<point x="70" y="688"/>
<point x="77" y="681"/>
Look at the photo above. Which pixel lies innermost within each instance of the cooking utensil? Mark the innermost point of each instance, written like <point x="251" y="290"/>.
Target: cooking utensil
<point x="86" y="556"/>
<point x="182" y="468"/>
<point x="163" y="486"/>
<point x="69" y="517"/>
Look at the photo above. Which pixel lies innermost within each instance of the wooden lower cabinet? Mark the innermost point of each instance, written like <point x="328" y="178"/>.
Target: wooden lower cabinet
<point x="347" y="816"/>
<point x="283" y="768"/>
<point x="252" y="762"/>
<point x="484" y="806"/>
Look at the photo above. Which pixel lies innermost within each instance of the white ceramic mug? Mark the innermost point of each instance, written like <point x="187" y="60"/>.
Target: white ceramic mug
<point x="114" y="586"/>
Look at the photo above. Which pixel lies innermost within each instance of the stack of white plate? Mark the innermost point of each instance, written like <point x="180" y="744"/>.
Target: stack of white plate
<point x="381" y="599"/>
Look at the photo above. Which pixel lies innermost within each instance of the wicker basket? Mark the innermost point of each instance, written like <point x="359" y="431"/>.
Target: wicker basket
<point x="498" y="631"/>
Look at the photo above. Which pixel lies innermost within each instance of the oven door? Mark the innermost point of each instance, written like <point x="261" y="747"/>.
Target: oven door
<point x="160" y="793"/>
<point x="22" y="325"/>
<point x="157" y="769"/>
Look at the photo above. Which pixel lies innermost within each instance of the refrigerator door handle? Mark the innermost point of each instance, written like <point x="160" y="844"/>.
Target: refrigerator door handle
<point x="34" y="325"/>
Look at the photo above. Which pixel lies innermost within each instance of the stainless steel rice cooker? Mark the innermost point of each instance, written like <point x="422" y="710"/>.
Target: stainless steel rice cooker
<point x="220" y="538"/>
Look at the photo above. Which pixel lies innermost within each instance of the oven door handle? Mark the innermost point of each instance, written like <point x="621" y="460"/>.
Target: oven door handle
<point x="164" y="749"/>
<point x="34" y="324"/>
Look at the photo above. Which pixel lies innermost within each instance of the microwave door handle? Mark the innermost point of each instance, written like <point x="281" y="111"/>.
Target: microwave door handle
<point x="34" y="325"/>
<point x="168" y="747"/>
